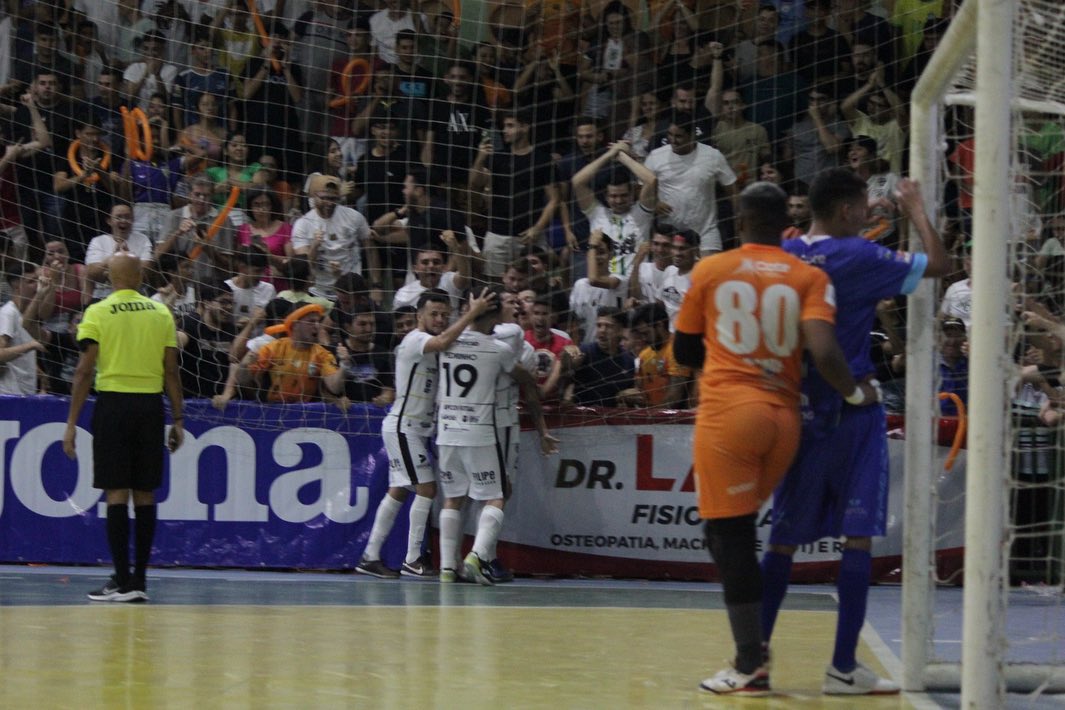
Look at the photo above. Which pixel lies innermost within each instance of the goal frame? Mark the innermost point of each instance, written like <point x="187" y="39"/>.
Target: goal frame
<point x="983" y="676"/>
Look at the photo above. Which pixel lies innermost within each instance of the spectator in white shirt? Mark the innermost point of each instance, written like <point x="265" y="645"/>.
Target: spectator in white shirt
<point x="151" y="75"/>
<point x="103" y="247"/>
<point x="384" y="25"/>
<point x="678" y="276"/>
<point x="249" y="290"/>
<point x="626" y="225"/>
<point x="688" y="175"/>
<point x="958" y="298"/>
<point x="430" y="271"/>
<point x="332" y="237"/>
<point x="600" y="288"/>
<point x="650" y="264"/>
<point x="20" y="328"/>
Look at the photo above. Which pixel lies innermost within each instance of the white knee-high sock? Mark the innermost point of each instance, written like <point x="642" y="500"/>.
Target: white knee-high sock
<point x="488" y="527"/>
<point x="419" y="514"/>
<point x="382" y="525"/>
<point x="450" y="529"/>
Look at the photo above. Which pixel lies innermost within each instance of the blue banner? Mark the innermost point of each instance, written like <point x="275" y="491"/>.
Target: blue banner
<point x="253" y="486"/>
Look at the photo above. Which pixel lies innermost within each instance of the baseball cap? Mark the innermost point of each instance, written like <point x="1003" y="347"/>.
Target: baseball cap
<point x="324" y="182"/>
<point x="953" y="323"/>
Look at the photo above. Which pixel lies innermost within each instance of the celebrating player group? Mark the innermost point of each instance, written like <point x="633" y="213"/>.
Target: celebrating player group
<point x="455" y="384"/>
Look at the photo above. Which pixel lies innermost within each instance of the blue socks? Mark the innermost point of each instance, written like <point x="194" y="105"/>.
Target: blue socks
<point x="776" y="571"/>
<point x="853" y="586"/>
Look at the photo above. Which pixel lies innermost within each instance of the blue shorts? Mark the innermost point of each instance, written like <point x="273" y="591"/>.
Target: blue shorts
<point x="838" y="484"/>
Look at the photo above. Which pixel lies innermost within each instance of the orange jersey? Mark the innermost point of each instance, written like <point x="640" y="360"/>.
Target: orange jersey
<point x="295" y="375"/>
<point x="747" y="304"/>
<point x="654" y="368"/>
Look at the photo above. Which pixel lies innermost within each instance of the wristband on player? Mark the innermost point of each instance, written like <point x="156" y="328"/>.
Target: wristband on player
<point x="855" y="398"/>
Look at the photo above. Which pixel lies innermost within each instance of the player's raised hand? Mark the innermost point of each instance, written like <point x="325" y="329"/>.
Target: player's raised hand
<point x="481" y="303"/>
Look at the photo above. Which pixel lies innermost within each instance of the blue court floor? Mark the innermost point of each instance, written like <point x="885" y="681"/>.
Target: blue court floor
<point x="230" y="638"/>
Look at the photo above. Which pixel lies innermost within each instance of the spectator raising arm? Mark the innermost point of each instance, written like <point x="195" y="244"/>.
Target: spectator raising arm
<point x="582" y="180"/>
<point x="460" y="258"/>
<point x="648" y="180"/>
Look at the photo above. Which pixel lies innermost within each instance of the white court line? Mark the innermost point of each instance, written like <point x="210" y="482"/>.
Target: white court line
<point x="891" y="662"/>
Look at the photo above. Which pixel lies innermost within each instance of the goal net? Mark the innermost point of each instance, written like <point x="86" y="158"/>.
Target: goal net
<point x="185" y="109"/>
<point x="987" y="140"/>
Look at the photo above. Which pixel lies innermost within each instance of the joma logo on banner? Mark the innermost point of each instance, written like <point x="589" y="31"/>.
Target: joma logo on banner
<point x="331" y="475"/>
<point x="600" y="473"/>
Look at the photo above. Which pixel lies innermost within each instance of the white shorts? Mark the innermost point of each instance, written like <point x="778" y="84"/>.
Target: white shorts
<point x="409" y="462"/>
<point x="508" y="438"/>
<point x="473" y="471"/>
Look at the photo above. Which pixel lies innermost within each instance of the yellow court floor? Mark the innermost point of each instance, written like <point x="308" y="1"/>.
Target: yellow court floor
<point x="407" y="644"/>
<point x="374" y="657"/>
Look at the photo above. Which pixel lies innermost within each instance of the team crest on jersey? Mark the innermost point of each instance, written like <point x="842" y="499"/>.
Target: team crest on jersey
<point x="545" y="361"/>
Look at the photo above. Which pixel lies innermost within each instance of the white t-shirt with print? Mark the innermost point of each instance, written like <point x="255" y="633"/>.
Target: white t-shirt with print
<point x="674" y="286"/>
<point x="585" y="300"/>
<point x="343" y="234"/>
<point x="627" y="232"/>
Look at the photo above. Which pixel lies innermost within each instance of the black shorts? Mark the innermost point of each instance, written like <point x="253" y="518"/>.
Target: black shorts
<point x="127" y="441"/>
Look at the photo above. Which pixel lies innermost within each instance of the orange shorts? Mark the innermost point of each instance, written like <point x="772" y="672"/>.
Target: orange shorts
<point x="740" y="455"/>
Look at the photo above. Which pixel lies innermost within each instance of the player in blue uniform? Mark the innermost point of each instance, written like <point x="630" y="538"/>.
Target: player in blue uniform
<point x="838" y="484"/>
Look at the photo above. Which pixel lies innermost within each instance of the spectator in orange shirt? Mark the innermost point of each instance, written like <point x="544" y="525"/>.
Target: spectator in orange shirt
<point x="297" y="366"/>
<point x="660" y="380"/>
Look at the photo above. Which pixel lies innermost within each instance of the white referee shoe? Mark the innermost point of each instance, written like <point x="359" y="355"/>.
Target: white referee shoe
<point x="860" y="681"/>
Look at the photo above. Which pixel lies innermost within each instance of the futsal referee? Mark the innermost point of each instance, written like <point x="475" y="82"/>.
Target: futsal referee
<point x="131" y="343"/>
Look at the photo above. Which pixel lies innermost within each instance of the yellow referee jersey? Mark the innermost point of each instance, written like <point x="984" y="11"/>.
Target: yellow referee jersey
<point x="133" y="333"/>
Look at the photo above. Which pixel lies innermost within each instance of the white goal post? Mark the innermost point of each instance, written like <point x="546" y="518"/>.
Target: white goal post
<point x="984" y="30"/>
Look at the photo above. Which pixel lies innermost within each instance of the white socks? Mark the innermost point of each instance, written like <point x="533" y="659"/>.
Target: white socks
<point x="382" y="525"/>
<point x="419" y="514"/>
<point x="488" y="527"/>
<point x="450" y="530"/>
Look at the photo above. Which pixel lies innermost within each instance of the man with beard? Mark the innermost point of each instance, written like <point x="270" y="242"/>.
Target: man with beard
<point x="332" y="237"/>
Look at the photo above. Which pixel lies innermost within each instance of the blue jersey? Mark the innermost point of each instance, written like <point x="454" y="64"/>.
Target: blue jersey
<point x="863" y="274"/>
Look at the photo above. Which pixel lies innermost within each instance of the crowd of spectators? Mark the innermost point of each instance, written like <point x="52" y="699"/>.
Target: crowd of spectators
<point x="583" y="154"/>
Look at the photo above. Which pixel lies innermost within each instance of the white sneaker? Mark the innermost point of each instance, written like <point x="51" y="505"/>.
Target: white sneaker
<point x="731" y="681"/>
<point x="860" y="681"/>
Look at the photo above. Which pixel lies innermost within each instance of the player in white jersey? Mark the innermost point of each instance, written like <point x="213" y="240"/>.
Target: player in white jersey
<point x="472" y="462"/>
<point x="408" y="428"/>
<point x="508" y="424"/>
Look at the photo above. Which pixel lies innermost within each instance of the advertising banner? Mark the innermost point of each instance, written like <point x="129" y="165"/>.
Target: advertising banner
<point x="255" y="486"/>
<point x="625" y="494"/>
<point x="297" y="487"/>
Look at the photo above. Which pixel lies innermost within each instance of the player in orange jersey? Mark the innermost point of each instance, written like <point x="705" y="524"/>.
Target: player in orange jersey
<point x="745" y="321"/>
